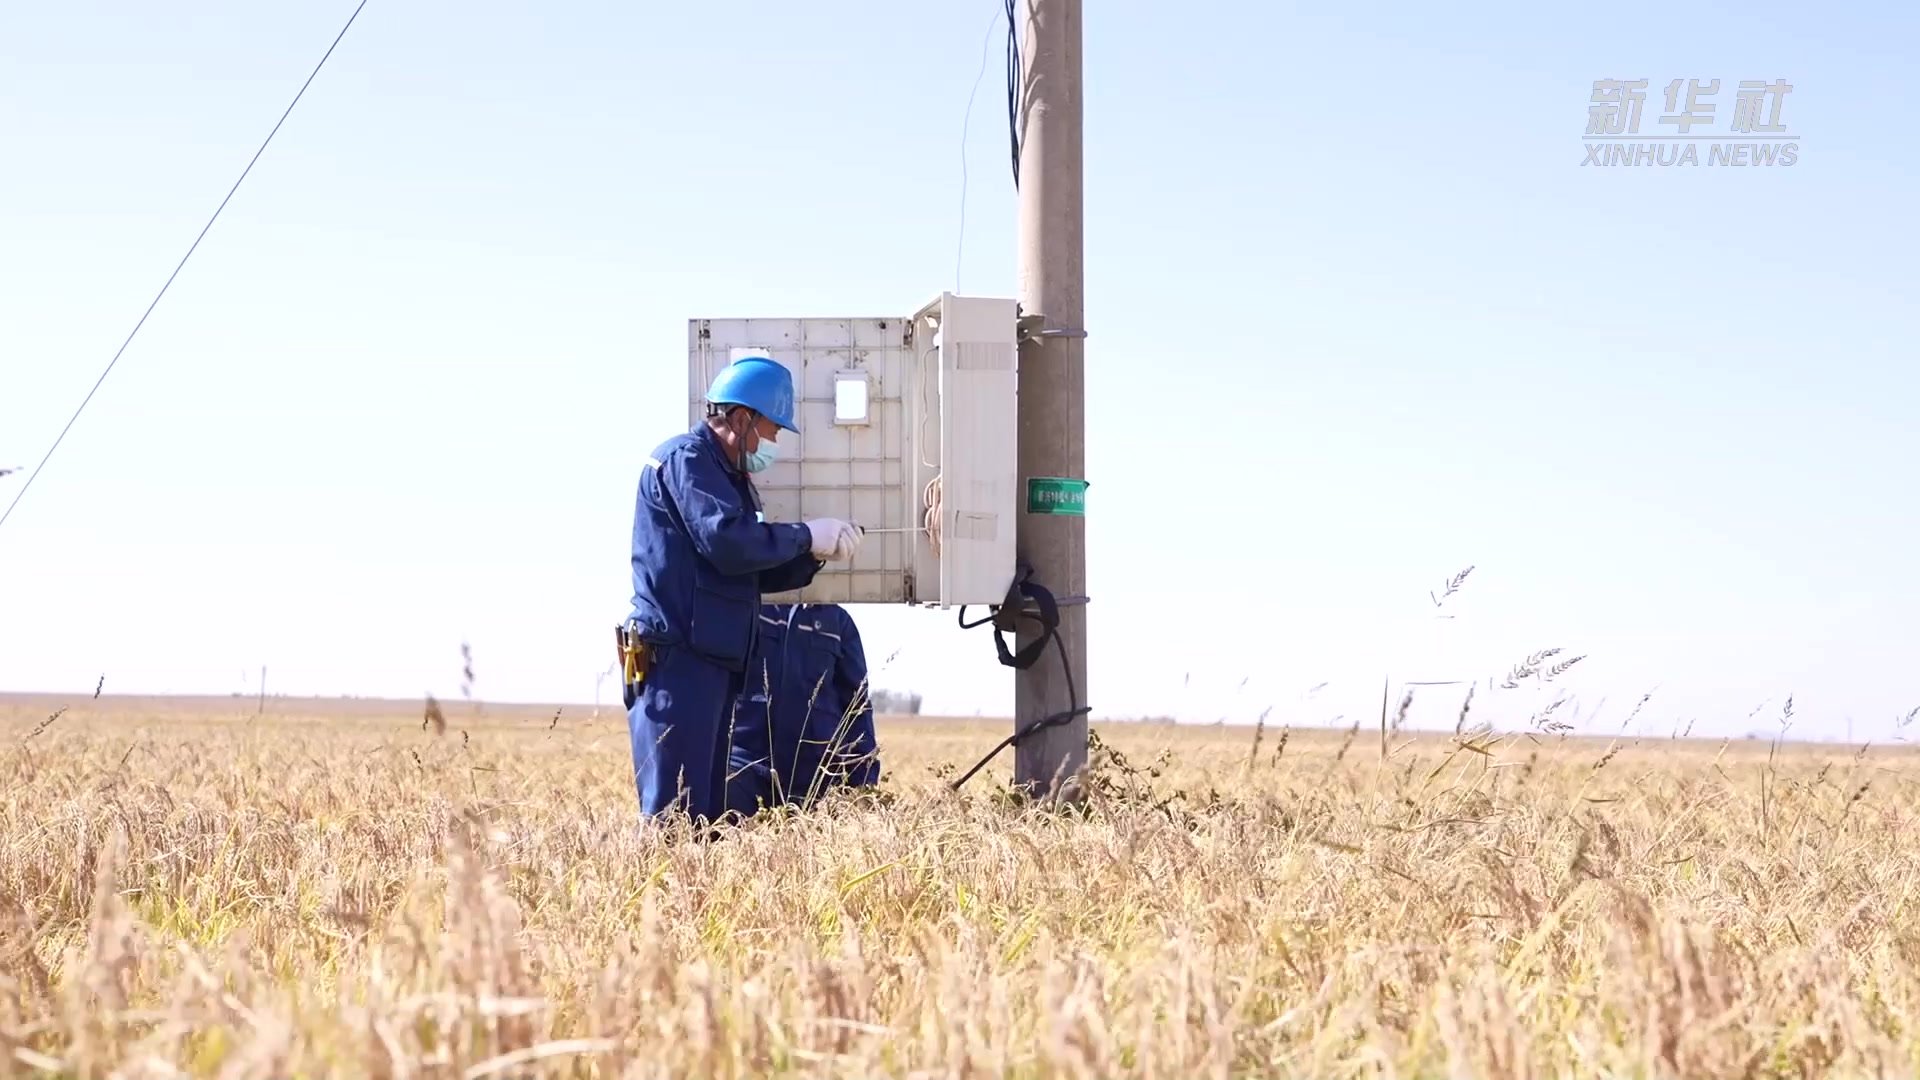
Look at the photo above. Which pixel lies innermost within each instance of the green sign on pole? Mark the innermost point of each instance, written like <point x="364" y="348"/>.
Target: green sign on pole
<point x="1057" y="495"/>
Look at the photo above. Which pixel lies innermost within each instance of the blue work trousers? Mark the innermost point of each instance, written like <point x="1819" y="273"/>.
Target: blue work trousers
<point x="749" y="784"/>
<point x="678" y="727"/>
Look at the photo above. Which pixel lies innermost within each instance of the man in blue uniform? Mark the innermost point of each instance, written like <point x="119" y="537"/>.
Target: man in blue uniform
<point x="805" y="721"/>
<point x="702" y="556"/>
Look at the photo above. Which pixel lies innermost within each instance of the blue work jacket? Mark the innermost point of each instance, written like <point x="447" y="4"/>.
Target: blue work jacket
<point x="805" y="709"/>
<point x="702" y="556"/>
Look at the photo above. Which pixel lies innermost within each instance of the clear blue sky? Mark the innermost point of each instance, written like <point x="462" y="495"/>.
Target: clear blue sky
<point x="1359" y="318"/>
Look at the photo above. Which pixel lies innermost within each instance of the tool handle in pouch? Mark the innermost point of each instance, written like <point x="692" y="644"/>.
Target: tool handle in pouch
<point x="635" y="655"/>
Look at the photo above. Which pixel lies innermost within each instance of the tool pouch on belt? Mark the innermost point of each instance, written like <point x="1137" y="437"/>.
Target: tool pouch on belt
<point x="635" y="654"/>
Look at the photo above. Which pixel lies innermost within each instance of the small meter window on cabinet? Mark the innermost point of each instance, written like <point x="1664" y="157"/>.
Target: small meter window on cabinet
<point x="850" y="396"/>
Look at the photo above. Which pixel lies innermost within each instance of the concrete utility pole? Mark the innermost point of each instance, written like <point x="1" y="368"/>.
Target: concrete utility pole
<point x="1052" y="456"/>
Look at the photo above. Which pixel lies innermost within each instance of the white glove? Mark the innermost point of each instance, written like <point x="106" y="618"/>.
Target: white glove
<point x="833" y="538"/>
<point x="850" y="543"/>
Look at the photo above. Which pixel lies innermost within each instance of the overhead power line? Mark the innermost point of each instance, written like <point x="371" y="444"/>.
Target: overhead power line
<point x="986" y="40"/>
<point x="31" y="477"/>
<point x="1016" y="91"/>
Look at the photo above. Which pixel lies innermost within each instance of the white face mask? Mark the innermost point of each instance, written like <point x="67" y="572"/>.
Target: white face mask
<point x="759" y="460"/>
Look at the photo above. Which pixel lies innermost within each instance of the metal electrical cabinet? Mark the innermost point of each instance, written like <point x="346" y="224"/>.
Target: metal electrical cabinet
<point x="897" y="414"/>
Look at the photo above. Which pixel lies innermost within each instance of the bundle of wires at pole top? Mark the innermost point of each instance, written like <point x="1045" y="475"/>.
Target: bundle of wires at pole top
<point x="1016" y="96"/>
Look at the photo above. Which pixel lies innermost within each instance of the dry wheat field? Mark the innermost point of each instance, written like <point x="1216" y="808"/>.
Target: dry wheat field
<point x="332" y="890"/>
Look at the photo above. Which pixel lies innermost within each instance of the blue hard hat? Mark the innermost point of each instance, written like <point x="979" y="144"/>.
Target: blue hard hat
<point x="761" y="384"/>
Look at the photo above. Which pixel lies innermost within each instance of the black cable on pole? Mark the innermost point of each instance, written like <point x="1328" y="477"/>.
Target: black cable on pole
<point x="1013" y="91"/>
<point x="1048" y="616"/>
<point x="176" y="270"/>
<point x="1054" y="720"/>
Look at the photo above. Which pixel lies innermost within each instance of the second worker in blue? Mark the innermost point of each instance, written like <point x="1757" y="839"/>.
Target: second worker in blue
<point x="804" y="725"/>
